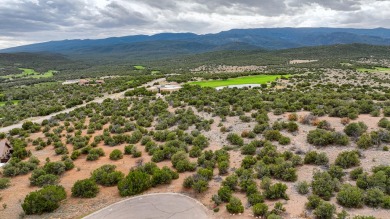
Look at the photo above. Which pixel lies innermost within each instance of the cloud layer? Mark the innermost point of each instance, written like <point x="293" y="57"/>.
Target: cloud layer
<point x="29" y="21"/>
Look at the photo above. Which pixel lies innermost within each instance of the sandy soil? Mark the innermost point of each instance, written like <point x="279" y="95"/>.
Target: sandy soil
<point x="76" y="207"/>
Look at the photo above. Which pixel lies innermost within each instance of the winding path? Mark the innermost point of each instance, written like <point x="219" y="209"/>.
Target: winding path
<point x="39" y="119"/>
<point x="158" y="205"/>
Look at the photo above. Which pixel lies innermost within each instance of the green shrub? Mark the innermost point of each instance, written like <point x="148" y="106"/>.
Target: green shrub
<point x="272" y="135"/>
<point x="278" y="208"/>
<point x="45" y="200"/>
<point x="255" y="198"/>
<point x="364" y="181"/>
<point x="56" y="168"/>
<point x="274" y="216"/>
<point x="384" y="123"/>
<point x="320" y="137"/>
<point x="116" y="155"/>
<point x="40" y="177"/>
<point x="163" y="176"/>
<point x="292" y="127"/>
<point x="348" y="159"/>
<point x="303" y="187"/>
<point x="235" y="206"/>
<point x="205" y="173"/>
<point x="134" y="183"/>
<point x="200" y="141"/>
<point x="75" y="154"/>
<point x="336" y="172"/>
<point x="260" y="128"/>
<point x="323" y="185"/>
<point x="355" y="129"/>
<point x="312" y="157"/>
<point x="225" y="193"/>
<point x="365" y="141"/>
<point x="322" y="159"/>
<point x="128" y="149"/>
<point x="260" y="209"/>
<point x="284" y="140"/>
<point x="374" y="197"/>
<point x="200" y="185"/>
<point x="188" y="182"/>
<point x="350" y="197"/>
<point x="386" y="202"/>
<point x="313" y="202"/>
<point x="223" y="167"/>
<point x="248" y="149"/>
<point x="265" y="183"/>
<point x="106" y="175"/>
<point x="248" y="162"/>
<point x="86" y="188"/>
<point x="195" y="151"/>
<point x="276" y="191"/>
<point x="235" y="139"/>
<point x="231" y="181"/>
<point x="181" y="162"/>
<point x="4" y="183"/>
<point x="325" y="210"/>
<point x="364" y="217"/>
<point x="354" y="174"/>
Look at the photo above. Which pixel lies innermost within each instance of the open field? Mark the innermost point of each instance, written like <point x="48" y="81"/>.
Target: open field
<point x="139" y="67"/>
<point x="376" y="69"/>
<point x="15" y="102"/>
<point x="256" y="79"/>
<point x="30" y="73"/>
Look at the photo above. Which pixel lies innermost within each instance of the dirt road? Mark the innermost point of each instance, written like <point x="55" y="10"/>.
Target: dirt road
<point x="159" y="205"/>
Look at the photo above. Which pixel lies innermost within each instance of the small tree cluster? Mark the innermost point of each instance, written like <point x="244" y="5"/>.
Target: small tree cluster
<point x="348" y="159"/>
<point x="312" y="157"/>
<point x="321" y="137"/>
<point x="46" y="199"/>
<point x="86" y="188"/>
<point x="106" y="175"/>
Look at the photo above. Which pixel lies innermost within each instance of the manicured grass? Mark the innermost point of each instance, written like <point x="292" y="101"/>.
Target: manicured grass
<point x="30" y="73"/>
<point x="139" y="67"/>
<point x="376" y="69"/>
<point x="255" y="79"/>
<point x="15" y="102"/>
<point x="155" y="72"/>
<point x="130" y="82"/>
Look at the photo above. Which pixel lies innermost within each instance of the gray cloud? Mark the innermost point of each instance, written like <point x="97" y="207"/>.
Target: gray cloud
<point x="338" y="5"/>
<point x="117" y="15"/>
<point x="28" y="21"/>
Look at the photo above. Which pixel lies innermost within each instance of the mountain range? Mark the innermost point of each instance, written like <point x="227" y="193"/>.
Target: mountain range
<point x="165" y="45"/>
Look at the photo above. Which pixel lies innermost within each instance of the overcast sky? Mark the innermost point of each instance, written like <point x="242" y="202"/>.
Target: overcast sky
<point x="30" y="21"/>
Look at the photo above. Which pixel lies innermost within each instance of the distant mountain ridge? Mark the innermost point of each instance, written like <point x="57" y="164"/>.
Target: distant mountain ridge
<point x="174" y="44"/>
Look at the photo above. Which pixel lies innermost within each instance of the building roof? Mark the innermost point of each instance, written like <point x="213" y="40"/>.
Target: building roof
<point x="3" y="146"/>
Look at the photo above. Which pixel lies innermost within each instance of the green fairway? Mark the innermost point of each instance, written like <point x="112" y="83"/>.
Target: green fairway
<point x="255" y="79"/>
<point x="376" y="69"/>
<point x="139" y="67"/>
<point x="30" y="73"/>
<point x="15" y="102"/>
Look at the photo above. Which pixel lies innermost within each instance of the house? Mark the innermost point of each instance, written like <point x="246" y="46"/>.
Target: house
<point x="83" y="82"/>
<point x="99" y="81"/>
<point x="6" y="151"/>
<point x="169" y="88"/>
